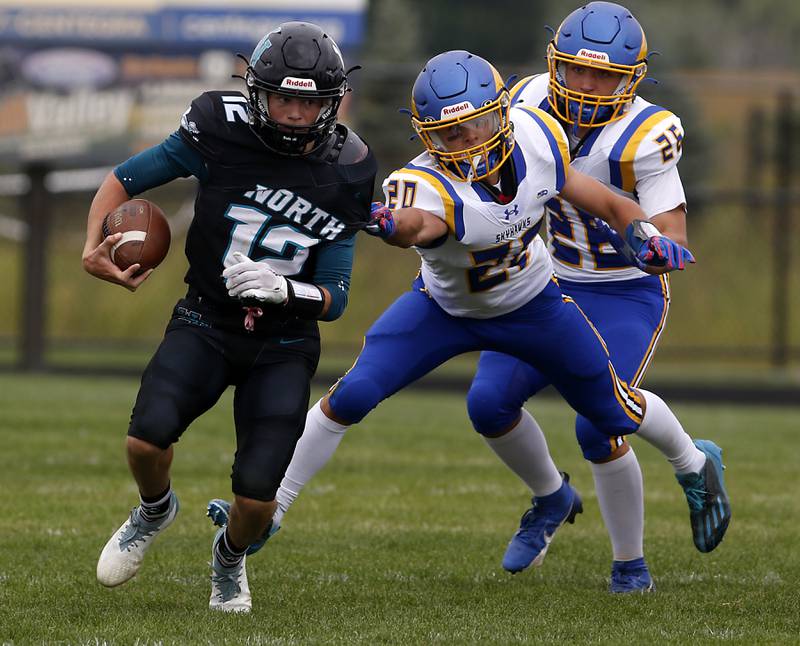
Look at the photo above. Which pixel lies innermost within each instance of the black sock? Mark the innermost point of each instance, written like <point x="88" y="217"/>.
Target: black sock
<point x="154" y="507"/>
<point x="228" y="554"/>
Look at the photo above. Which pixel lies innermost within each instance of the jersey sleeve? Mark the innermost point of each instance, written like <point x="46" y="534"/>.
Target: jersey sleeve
<point x="661" y="192"/>
<point x="652" y="144"/>
<point x="333" y="270"/>
<point x="427" y="189"/>
<point x="196" y="127"/>
<point x="214" y="122"/>
<point x="170" y="159"/>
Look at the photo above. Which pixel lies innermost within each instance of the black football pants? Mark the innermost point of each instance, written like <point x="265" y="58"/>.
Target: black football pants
<point x="271" y="375"/>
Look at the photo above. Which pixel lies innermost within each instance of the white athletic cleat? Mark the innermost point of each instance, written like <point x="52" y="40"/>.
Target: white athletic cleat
<point x="122" y="556"/>
<point x="229" y="589"/>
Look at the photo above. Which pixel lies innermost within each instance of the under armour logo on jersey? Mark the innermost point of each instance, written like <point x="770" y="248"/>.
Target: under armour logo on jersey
<point x="542" y="193"/>
<point x="512" y="210"/>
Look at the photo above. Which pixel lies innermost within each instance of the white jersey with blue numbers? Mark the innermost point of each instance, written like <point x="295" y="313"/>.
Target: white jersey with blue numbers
<point x="636" y="156"/>
<point x="492" y="261"/>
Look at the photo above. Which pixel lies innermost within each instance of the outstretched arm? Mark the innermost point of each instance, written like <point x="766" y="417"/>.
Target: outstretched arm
<point x="590" y="195"/>
<point x="637" y="239"/>
<point x="406" y="227"/>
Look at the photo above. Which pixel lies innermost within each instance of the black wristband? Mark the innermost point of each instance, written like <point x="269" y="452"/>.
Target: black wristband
<point x="305" y="301"/>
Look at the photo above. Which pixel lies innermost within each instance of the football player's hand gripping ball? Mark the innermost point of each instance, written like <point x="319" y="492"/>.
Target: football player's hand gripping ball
<point x="250" y="279"/>
<point x="382" y="222"/>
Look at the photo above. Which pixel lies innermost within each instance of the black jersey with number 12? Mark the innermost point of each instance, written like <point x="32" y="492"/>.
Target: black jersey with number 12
<point x="270" y="207"/>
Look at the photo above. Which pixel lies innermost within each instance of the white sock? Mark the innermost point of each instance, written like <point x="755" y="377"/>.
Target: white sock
<point x="662" y="429"/>
<point x="620" y="495"/>
<point x="524" y="450"/>
<point x="316" y="446"/>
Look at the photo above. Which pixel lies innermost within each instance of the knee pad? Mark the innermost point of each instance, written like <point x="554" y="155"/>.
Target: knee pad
<point x="158" y="425"/>
<point x="490" y="409"/>
<point x="355" y="396"/>
<point x="595" y="444"/>
<point x="251" y="483"/>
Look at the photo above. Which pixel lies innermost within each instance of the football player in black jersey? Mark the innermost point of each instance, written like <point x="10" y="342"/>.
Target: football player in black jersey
<point x="283" y="188"/>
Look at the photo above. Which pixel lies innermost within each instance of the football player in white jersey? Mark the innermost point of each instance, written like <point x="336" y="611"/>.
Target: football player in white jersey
<point x="596" y="61"/>
<point x="471" y="205"/>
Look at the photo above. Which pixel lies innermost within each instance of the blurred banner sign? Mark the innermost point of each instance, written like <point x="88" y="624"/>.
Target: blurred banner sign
<point x="171" y="25"/>
<point x="83" y="84"/>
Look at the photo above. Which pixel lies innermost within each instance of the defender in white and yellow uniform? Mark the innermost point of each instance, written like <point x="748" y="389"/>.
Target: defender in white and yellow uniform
<point x="492" y="261"/>
<point x="471" y="206"/>
<point x="596" y="61"/>
<point x="635" y="156"/>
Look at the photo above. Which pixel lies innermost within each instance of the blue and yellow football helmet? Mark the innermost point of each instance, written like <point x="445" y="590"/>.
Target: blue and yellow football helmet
<point x="458" y="93"/>
<point x="604" y="36"/>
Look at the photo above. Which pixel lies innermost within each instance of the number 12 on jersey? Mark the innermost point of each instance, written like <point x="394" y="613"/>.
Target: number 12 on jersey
<point x="251" y="229"/>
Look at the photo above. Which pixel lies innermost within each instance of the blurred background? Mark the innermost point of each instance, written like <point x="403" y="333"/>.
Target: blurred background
<point x="84" y="84"/>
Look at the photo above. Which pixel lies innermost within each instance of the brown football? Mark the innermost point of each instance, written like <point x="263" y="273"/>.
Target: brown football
<point x="145" y="234"/>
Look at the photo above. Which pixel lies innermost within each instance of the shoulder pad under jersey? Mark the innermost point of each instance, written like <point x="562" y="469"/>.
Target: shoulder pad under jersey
<point x="531" y="90"/>
<point x="217" y="122"/>
<point x="544" y="142"/>
<point x="343" y="147"/>
<point x="650" y="144"/>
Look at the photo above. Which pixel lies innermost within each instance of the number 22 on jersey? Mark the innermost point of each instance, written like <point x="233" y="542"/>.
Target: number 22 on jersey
<point x="577" y="240"/>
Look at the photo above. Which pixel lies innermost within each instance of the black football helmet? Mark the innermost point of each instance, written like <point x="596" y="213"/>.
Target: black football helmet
<point x="295" y="59"/>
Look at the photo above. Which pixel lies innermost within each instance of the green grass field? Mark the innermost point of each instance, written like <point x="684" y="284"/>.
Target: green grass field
<point x="397" y="541"/>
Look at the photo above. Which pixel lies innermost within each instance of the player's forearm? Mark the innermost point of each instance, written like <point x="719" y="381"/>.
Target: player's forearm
<point x="588" y="194"/>
<point x="416" y="227"/>
<point x="621" y="212"/>
<point x="327" y="300"/>
<point x="672" y="224"/>
<point x="408" y="223"/>
<point x="334" y="267"/>
<point x="108" y="197"/>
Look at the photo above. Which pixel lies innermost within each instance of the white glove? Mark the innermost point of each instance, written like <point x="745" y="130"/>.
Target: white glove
<point x="250" y="279"/>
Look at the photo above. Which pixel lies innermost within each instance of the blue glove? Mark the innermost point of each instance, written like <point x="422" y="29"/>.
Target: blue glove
<point x="660" y="251"/>
<point x="382" y="222"/>
<point x="644" y="246"/>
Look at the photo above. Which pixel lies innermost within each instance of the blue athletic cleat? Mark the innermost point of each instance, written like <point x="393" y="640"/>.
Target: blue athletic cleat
<point x="630" y="576"/>
<point x="218" y="510"/>
<point x="709" y="505"/>
<point x="538" y="525"/>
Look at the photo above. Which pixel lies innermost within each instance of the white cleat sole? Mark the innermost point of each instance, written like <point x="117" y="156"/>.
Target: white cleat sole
<point x="115" y="565"/>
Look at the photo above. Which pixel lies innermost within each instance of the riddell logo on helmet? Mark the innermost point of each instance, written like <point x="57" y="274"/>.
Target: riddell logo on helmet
<point x="593" y="55"/>
<point x="298" y="84"/>
<point x="458" y="108"/>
